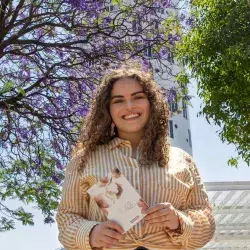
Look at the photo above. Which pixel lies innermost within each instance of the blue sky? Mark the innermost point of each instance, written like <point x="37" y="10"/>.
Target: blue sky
<point x="211" y="156"/>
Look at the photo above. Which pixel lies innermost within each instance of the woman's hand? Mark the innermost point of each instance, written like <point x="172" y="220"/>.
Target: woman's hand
<point x="162" y="215"/>
<point x="106" y="234"/>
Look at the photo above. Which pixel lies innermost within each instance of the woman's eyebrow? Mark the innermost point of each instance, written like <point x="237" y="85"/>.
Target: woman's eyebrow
<point x="138" y="92"/>
<point x="121" y="96"/>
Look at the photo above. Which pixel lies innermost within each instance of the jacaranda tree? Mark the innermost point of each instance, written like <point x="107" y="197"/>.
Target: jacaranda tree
<point x="52" y="55"/>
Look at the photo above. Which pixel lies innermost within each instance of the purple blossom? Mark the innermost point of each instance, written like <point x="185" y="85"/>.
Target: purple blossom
<point x="23" y="133"/>
<point x="83" y="87"/>
<point x="182" y="16"/>
<point x="22" y="15"/>
<point x="59" y="165"/>
<point x="82" y="111"/>
<point x="33" y="131"/>
<point x="48" y="50"/>
<point x="50" y="110"/>
<point x="67" y="89"/>
<point x="77" y="3"/>
<point x="56" y="179"/>
<point x="40" y="32"/>
<point x="163" y="52"/>
<point x="107" y="20"/>
<point x="41" y="189"/>
<point x="173" y="38"/>
<point x="4" y="145"/>
<point x="60" y="54"/>
<point x="145" y="65"/>
<point x="59" y="101"/>
<point x="172" y="95"/>
<point x="166" y="3"/>
<point x="190" y="21"/>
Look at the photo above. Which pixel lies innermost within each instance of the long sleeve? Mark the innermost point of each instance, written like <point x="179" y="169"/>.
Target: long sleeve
<point x="197" y="221"/>
<point x="73" y="226"/>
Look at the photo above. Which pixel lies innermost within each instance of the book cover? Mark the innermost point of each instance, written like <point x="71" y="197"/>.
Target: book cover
<point x="118" y="199"/>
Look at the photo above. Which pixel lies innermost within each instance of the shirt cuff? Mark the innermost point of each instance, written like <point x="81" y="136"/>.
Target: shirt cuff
<point x="186" y="225"/>
<point x="82" y="235"/>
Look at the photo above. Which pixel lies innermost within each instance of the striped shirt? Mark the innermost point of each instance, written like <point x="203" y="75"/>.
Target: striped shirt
<point x="179" y="183"/>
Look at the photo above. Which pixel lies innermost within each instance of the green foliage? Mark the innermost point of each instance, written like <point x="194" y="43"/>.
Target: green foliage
<point x="40" y="186"/>
<point x="6" y="224"/>
<point x="217" y="51"/>
<point x="7" y="87"/>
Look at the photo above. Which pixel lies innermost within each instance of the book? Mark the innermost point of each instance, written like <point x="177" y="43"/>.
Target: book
<point x="118" y="199"/>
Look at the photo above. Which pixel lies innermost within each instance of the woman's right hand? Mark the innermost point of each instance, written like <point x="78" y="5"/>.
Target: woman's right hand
<point x="106" y="234"/>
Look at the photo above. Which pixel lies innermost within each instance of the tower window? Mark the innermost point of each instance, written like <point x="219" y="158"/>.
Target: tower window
<point x="184" y="107"/>
<point x="173" y="106"/>
<point x="189" y="138"/>
<point x="171" y="131"/>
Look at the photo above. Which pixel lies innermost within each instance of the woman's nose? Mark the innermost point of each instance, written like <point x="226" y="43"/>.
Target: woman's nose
<point x="130" y="105"/>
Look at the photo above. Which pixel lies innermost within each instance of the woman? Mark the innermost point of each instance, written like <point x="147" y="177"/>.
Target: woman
<point x="127" y="128"/>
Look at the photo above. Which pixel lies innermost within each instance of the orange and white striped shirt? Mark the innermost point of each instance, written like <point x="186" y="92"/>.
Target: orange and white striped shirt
<point x="179" y="183"/>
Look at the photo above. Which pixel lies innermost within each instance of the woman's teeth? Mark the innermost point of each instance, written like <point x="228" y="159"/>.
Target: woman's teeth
<point x="126" y="117"/>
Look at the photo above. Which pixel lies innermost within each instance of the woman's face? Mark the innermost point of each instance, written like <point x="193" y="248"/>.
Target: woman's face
<point x="129" y="107"/>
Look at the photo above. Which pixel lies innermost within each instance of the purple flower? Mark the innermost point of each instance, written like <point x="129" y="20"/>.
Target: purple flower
<point x="172" y="95"/>
<point x="61" y="54"/>
<point x="145" y="65"/>
<point x="166" y="3"/>
<point x="173" y="38"/>
<point x="22" y="15"/>
<point x="82" y="111"/>
<point x="4" y="145"/>
<point x="182" y="16"/>
<point x="41" y="189"/>
<point x="56" y="179"/>
<point x="190" y="21"/>
<point x="163" y="52"/>
<point x="23" y="133"/>
<point x="59" y="165"/>
<point x="107" y="20"/>
<point x="50" y="110"/>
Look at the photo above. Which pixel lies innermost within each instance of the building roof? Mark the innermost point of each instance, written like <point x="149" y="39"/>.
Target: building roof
<point x="231" y="207"/>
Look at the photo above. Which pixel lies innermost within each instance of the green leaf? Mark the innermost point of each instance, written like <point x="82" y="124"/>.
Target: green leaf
<point x="8" y="86"/>
<point x="21" y="91"/>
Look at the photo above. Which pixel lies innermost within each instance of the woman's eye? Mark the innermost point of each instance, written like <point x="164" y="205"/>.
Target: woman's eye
<point x="118" y="101"/>
<point x="139" y="97"/>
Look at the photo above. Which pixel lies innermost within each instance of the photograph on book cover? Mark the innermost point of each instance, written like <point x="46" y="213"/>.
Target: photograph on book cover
<point x="118" y="199"/>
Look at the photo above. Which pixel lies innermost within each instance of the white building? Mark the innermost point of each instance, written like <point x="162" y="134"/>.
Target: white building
<point x="179" y="123"/>
<point x="231" y="207"/>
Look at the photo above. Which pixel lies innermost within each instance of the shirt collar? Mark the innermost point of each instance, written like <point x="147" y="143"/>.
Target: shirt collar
<point x="116" y="142"/>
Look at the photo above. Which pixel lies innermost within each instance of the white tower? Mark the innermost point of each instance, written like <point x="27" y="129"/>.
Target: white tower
<point x="179" y="123"/>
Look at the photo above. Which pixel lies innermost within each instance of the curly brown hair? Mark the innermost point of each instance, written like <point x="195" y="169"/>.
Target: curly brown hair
<point x="96" y="129"/>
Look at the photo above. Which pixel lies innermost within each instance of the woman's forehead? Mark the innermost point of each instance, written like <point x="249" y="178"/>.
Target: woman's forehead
<point x="126" y="86"/>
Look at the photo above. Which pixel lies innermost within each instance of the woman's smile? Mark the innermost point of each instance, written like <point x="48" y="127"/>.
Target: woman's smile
<point x="129" y="108"/>
<point x="131" y="116"/>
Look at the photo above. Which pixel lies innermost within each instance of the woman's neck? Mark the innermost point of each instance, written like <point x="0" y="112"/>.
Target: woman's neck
<point x="134" y="140"/>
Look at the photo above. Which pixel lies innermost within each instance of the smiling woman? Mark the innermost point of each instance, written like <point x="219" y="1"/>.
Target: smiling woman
<point x="126" y="129"/>
<point x="129" y="110"/>
<point x="121" y="92"/>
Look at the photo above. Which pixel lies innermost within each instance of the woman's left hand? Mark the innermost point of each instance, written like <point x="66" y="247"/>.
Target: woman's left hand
<point x="162" y="215"/>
